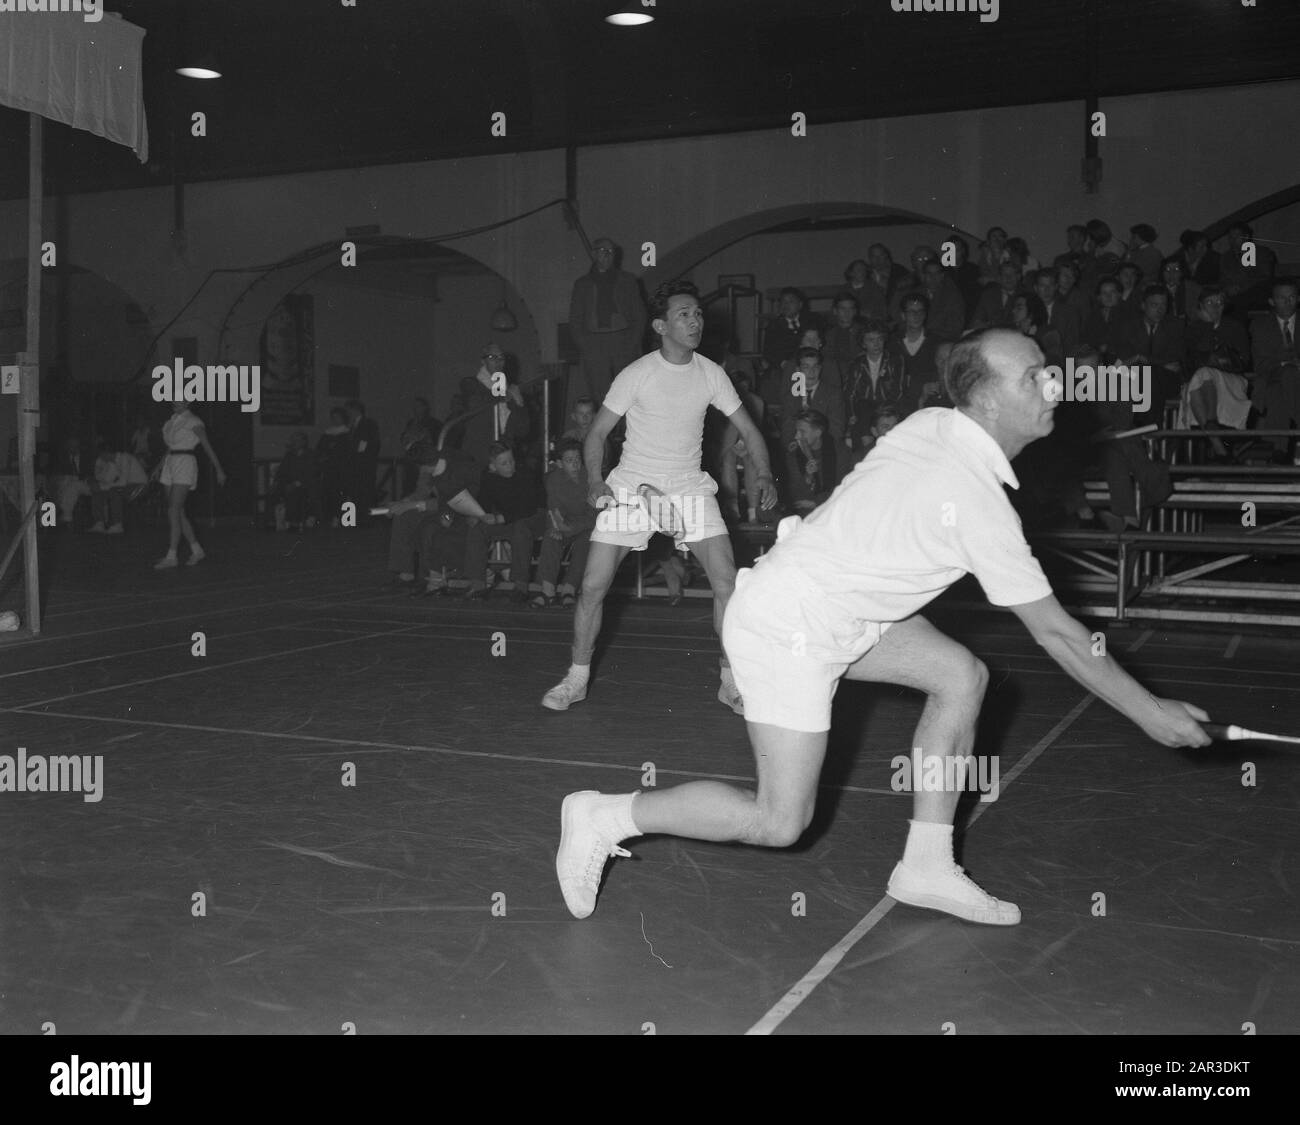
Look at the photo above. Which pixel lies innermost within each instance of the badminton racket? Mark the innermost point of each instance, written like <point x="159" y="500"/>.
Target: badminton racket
<point x="661" y="512"/>
<point x="1222" y="732"/>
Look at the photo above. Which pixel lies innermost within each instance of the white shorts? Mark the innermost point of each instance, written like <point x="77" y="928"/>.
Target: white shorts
<point x="788" y="647"/>
<point x="1232" y="402"/>
<point x="179" y="468"/>
<point x="693" y="493"/>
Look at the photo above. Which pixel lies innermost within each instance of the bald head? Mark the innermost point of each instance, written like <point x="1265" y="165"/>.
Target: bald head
<point x="980" y="358"/>
<point x="998" y="380"/>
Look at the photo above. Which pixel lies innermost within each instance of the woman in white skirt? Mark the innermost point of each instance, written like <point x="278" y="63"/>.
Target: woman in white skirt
<point x="183" y="433"/>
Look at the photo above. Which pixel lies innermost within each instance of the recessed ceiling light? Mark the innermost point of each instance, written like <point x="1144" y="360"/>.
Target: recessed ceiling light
<point x="629" y="19"/>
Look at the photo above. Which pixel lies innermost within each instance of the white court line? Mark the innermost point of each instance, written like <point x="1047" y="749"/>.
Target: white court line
<point x="800" y="992"/>
<point x="405" y="746"/>
<point x="205" y="667"/>
<point x="181" y="643"/>
<point x="1231" y="650"/>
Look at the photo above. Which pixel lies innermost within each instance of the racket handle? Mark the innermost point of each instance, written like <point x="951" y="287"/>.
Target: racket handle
<point x="1220" y="732"/>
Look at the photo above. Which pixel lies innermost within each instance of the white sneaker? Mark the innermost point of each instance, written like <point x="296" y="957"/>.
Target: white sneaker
<point x="564" y="694"/>
<point x="197" y="555"/>
<point x="587" y="841"/>
<point x="166" y="563"/>
<point x="729" y="694"/>
<point x="116" y="529"/>
<point x="953" y="892"/>
<point x="97" y="527"/>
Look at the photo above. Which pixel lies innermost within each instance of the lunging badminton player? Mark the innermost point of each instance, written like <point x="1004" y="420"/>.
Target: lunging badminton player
<point x="839" y="597"/>
<point x="664" y="396"/>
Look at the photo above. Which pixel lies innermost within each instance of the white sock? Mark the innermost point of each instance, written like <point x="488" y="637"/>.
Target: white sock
<point x="620" y="809"/>
<point x="579" y="673"/>
<point x="929" y="846"/>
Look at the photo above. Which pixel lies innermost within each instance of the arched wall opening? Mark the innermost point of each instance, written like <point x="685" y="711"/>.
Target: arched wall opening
<point x="409" y="319"/>
<point x="95" y="340"/>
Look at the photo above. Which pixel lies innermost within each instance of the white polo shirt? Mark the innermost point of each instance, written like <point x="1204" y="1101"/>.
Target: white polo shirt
<point x="665" y="404"/>
<point x="922" y="510"/>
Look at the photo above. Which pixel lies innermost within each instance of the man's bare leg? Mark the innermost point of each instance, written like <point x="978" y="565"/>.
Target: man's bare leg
<point x="719" y="563"/>
<point x="603" y="561"/>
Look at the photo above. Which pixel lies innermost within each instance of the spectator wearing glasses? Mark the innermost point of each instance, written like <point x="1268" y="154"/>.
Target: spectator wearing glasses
<point x="490" y="407"/>
<point x="607" y="317"/>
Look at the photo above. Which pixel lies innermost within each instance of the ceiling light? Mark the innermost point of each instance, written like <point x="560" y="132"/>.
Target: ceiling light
<point x="204" y="67"/>
<point x="629" y="19"/>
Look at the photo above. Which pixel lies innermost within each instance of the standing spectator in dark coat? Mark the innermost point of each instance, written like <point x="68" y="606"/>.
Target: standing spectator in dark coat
<point x="332" y="463"/>
<point x="364" y="459"/>
<point x="607" y="318"/>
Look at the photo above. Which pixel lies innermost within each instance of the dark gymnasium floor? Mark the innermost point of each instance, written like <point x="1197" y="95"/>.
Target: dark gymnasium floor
<point x="373" y="904"/>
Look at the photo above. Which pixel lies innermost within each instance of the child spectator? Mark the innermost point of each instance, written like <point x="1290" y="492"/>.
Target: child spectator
<point x="513" y="512"/>
<point x="571" y="521"/>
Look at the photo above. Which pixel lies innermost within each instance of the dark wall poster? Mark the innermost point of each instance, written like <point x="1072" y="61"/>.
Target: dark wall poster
<point x="288" y="358"/>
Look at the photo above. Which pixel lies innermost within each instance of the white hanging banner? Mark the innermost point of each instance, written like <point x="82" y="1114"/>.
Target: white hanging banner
<point x="72" y="62"/>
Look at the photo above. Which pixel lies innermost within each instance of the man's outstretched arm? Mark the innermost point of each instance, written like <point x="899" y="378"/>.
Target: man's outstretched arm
<point x="1168" y="721"/>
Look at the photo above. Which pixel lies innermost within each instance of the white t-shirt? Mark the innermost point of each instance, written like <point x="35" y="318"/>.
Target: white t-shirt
<point x="181" y="431"/>
<point x="665" y="404"/>
<point x="923" y="510"/>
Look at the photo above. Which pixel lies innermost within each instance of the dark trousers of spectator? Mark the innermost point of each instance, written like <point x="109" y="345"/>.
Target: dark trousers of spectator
<point x="604" y="355"/>
<point x="413" y="532"/>
<point x="520" y="535"/>
<point x="294" y="496"/>
<point x="548" y="567"/>
<point x="108" y="505"/>
<point x="1126" y="461"/>
<point x="1278" y="402"/>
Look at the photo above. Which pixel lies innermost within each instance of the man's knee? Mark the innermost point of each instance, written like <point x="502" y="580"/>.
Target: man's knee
<point x="966" y="678"/>
<point x="781" y="828"/>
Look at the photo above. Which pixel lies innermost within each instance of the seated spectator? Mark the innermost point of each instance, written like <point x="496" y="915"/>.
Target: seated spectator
<point x="735" y="458"/>
<point x="1276" y="390"/>
<point x="1062" y="318"/>
<point x="1018" y="249"/>
<point x="294" y="485"/>
<point x="69" y="483"/>
<point x="1130" y="279"/>
<point x="332" y="459"/>
<point x="843" y="340"/>
<point x="1142" y="250"/>
<point x="514" y="513"/>
<point x="116" y="474"/>
<point x="421" y="428"/>
<point x="867" y="295"/>
<point x="887" y="276"/>
<point x="1101" y="330"/>
<point x="918" y="352"/>
<point x="571" y="520"/>
<point x="830" y="375"/>
<point x="424" y="518"/>
<point x="992" y="256"/>
<point x="808" y="391"/>
<point x="144" y="443"/>
<point x="947" y="317"/>
<point x="1028" y="315"/>
<point x="965" y="274"/>
<point x="915" y="282"/>
<point x="784" y="331"/>
<point x="1184" y="295"/>
<point x="882" y="421"/>
<point x="1069" y="293"/>
<point x="811" y="463"/>
<point x="1157" y="341"/>
<point x="1108" y="250"/>
<point x="994" y="307"/>
<point x="1076" y="241"/>
<point x="1246" y="287"/>
<point x="1218" y="355"/>
<point x="1199" y="265"/>
<point x="878" y="382"/>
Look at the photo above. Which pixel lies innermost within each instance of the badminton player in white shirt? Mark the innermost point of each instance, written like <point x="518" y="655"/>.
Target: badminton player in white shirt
<point x="664" y="396"/>
<point x="839" y="597"/>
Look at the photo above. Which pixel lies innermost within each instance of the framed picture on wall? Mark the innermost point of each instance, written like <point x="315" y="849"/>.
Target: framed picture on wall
<point x="288" y="359"/>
